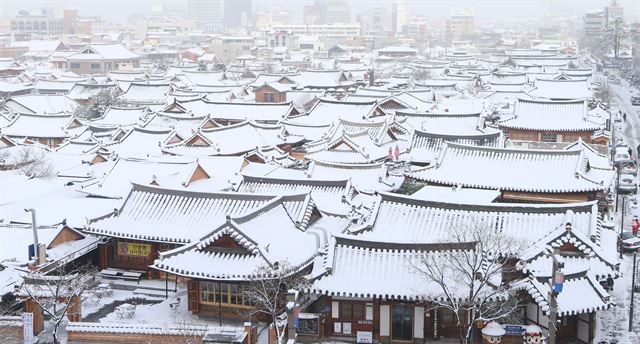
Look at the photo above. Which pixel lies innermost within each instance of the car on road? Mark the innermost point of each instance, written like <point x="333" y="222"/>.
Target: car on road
<point x="627" y="184"/>
<point x="635" y="100"/>
<point x="630" y="243"/>
<point x="621" y="155"/>
<point x="629" y="167"/>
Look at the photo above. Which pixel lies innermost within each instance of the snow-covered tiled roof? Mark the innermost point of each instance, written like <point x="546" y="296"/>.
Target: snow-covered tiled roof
<point x="544" y="171"/>
<point x="50" y="126"/>
<point x="363" y="269"/>
<point x="405" y="219"/>
<point x="550" y="116"/>
<point x="261" y="112"/>
<point x="427" y="146"/>
<point x="120" y="116"/>
<point x="146" y="93"/>
<point x="562" y="89"/>
<point x="329" y="111"/>
<point x="224" y="140"/>
<point x="581" y="293"/>
<point x="260" y="245"/>
<point x="154" y="214"/>
<point x="329" y="195"/>
<point x="41" y="104"/>
<point x="107" y="52"/>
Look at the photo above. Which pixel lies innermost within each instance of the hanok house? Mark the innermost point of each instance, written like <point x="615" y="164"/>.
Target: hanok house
<point x="587" y="265"/>
<point x="285" y="232"/>
<point x="154" y="220"/>
<point x="273" y="92"/>
<point x="367" y="284"/>
<point x="102" y="58"/>
<point x="48" y="130"/>
<point x="541" y="176"/>
<point x="373" y="290"/>
<point x="550" y="121"/>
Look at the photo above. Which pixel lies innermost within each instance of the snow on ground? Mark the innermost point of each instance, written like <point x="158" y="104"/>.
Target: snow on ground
<point x="612" y="325"/>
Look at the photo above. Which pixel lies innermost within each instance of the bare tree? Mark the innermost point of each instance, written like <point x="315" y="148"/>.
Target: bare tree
<point x="267" y="293"/>
<point x="58" y="292"/>
<point x="32" y="162"/>
<point x="468" y="281"/>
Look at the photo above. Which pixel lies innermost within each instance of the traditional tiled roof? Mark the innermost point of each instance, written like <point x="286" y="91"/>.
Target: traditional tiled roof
<point x="166" y="215"/>
<point x="363" y="269"/>
<point x="146" y="93"/>
<point x="426" y="146"/>
<point x="330" y="195"/>
<point x="444" y="123"/>
<point x="581" y="294"/>
<point x="579" y="252"/>
<point x="41" y="104"/>
<point x="108" y="52"/>
<point x="550" y="116"/>
<point x="405" y="219"/>
<point x="261" y="112"/>
<point x="224" y="140"/>
<point x="51" y="126"/>
<point x="544" y="171"/>
<point x="121" y="116"/>
<point x="261" y="245"/>
<point x="562" y="89"/>
<point x="329" y="111"/>
<point x="366" y="177"/>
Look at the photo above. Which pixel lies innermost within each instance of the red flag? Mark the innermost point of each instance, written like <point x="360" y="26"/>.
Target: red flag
<point x="390" y="154"/>
<point x="397" y="152"/>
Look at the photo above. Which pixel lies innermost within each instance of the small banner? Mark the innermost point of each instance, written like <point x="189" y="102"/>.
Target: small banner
<point x="132" y="249"/>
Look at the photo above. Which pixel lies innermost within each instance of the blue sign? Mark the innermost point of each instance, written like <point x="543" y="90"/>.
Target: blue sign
<point x="513" y="330"/>
<point x="557" y="288"/>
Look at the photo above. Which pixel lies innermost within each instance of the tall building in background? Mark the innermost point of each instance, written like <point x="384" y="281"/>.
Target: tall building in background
<point x="374" y="22"/>
<point x="237" y="12"/>
<point x="338" y="11"/>
<point x="461" y="23"/>
<point x="206" y="13"/>
<point x="594" y="22"/>
<point x="315" y="14"/>
<point x="28" y="25"/>
<point x="613" y="12"/>
<point x="398" y="16"/>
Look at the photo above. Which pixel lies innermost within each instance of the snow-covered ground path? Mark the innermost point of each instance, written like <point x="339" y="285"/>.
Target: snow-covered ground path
<point x="612" y="325"/>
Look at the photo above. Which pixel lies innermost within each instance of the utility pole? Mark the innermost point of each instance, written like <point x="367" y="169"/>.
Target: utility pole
<point x="624" y="206"/>
<point x="35" y="234"/>
<point x="617" y="183"/>
<point x="633" y="289"/>
<point x="557" y="279"/>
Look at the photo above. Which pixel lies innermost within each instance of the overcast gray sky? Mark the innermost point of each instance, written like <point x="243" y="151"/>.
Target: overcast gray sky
<point x="117" y="10"/>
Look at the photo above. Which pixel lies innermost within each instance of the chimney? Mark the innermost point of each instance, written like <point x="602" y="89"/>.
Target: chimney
<point x="371" y="77"/>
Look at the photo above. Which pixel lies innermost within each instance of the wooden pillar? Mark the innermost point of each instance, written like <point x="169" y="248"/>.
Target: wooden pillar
<point x="38" y="317"/>
<point x="385" y="323"/>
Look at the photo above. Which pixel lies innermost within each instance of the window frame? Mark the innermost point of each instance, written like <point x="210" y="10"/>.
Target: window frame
<point x="223" y="294"/>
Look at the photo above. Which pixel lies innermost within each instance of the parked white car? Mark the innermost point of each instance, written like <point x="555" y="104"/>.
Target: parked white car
<point x="627" y="184"/>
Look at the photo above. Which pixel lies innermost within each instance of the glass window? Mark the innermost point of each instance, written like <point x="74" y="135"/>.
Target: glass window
<point x="213" y="292"/>
<point x="548" y="137"/>
<point x="402" y="322"/>
<point x="95" y="66"/>
<point x="358" y="311"/>
<point x="75" y="65"/>
<point x="345" y="310"/>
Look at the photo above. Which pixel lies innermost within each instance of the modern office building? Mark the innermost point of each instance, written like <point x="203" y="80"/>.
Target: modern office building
<point x="237" y="12"/>
<point x="206" y="13"/>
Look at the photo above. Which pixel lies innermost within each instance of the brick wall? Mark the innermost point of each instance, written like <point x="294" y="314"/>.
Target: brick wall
<point x="10" y="330"/>
<point x="108" y="337"/>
